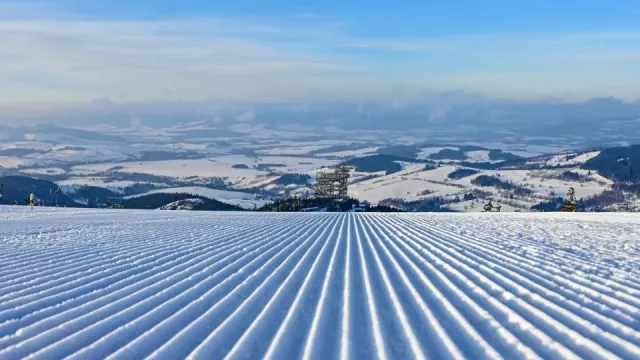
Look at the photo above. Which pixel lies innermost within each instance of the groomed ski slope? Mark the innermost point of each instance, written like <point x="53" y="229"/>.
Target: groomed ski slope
<point x="93" y="284"/>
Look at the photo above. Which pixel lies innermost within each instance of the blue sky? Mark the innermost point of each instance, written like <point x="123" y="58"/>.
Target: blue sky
<point x="403" y="18"/>
<point x="388" y="18"/>
<point x="74" y="51"/>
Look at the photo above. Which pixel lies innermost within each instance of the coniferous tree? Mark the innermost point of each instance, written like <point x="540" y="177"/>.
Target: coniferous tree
<point x="571" y="204"/>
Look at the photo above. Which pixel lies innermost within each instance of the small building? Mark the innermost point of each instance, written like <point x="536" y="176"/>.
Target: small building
<point x="315" y="209"/>
<point x="362" y="207"/>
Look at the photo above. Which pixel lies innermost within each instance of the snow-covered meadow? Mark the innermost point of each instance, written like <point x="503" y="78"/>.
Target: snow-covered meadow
<point x="124" y="284"/>
<point x="241" y="199"/>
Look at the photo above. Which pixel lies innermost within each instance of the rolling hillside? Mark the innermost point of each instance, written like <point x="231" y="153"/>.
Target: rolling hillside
<point x="98" y="165"/>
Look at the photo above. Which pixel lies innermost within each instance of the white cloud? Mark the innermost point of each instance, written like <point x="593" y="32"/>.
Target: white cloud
<point x="63" y="59"/>
<point x="247" y="116"/>
<point x="205" y="58"/>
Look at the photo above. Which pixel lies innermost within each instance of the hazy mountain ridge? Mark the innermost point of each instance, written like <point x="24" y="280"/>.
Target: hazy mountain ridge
<point x="463" y="114"/>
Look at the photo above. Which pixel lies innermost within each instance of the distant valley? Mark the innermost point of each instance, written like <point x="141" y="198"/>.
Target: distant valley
<point x="247" y="166"/>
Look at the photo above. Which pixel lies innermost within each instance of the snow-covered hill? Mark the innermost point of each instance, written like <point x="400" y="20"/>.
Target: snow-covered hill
<point x="130" y="161"/>
<point x="415" y="184"/>
<point x="244" y="200"/>
<point x="120" y="284"/>
<point x="186" y="204"/>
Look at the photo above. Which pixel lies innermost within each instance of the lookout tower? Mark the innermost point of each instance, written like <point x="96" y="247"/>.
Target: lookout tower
<point x="333" y="184"/>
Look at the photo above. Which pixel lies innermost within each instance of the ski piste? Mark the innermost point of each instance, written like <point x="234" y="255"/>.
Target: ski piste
<point x="123" y="284"/>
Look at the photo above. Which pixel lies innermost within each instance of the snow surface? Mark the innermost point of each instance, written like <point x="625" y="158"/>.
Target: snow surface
<point x="44" y="171"/>
<point x="213" y="167"/>
<point x="479" y="156"/>
<point x="221" y="167"/>
<point x="186" y="204"/>
<point x="410" y="184"/>
<point x="477" y="206"/>
<point x="242" y="199"/>
<point x="123" y="284"/>
<point x="77" y="182"/>
<point x="426" y="152"/>
<point x="353" y="153"/>
<point x="292" y="150"/>
<point x="561" y="160"/>
<point x="544" y="186"/>
<point x="14" y="161"/>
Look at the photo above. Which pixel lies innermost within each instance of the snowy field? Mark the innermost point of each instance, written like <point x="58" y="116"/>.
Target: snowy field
<point x="242" y="199"/>
<point x="120" y="284"/>
<point x="220" y="167"/>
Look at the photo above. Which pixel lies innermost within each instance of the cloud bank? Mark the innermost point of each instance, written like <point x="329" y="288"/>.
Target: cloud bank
<point x="52" y="58"/>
